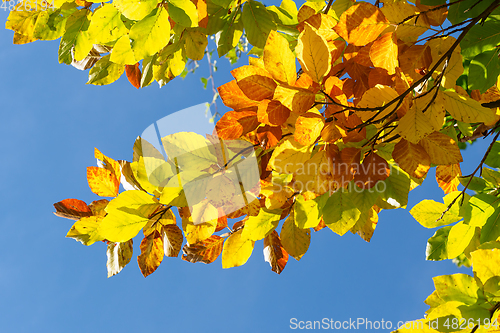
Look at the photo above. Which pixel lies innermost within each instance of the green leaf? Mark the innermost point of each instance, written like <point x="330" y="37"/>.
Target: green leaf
<point x="363" y="199"/>
<point x="307" y="214"/>
<point x="491" y="229"/>
<point x="394" y="190"/>
<point x="105" y="72"/>
<point x="458" y="239"/>
<point x="340" y="213"/>
<point x="484" y="70"/>
<point x="476" y="184"/>
<point x="295" y="240"/>
<point x="85" y="230"/>
<point x="76" y="36"/>
<point x="258" y="23"/>
<point x="147" y="71"/>
<point x="258" y="227"/>
<point x="128" y="213"/>
<point x="135" y="9"/>
<point x="427" y="213"/>
<point x="223" y="3"/>
<point x="338" y="7"/>
<point x="492" y="177"/>
<point x="150" y="34"/>
<point x="230" y="34"/>
<point x="481" y="38"/>
<point x="436" y="245"/>
<point x="493" y="159"/>
<point x="106" y="25"/>
<point x="50" y="24"/>
<point x="286" y="13"/>
<point x="183" y="12"/>
<point x="465" y="9"/>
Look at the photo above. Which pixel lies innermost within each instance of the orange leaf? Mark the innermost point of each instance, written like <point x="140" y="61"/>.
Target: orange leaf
<point x="321" y="225"/>
<point x="308" y="128"/>
<point x="234" y="98"/>
<point x="331" y="133"/>
<point x="384" y="53"/>
<point x="256" y="83"/>
<point x="151" y="253"/>
<point x="413" y="58"/>
<point x="269" y="136"/>
<point x="108" y="163"/>
<point x="274" y="253"/>
<point x="272" y="113"/>
<point x="344" y="164"/>
<point x="305" y="12"/>
<point x="234" y="124"/>
<point x="206" y="251"/>
<point x="380" y="76"/>
<point x="361" y="24"/>
<point x="102" y="182"/>
<point x="442" y="149"/>
<point x="201" y="5"/>
<point x="279" y="59"/>
<point x="373" y="169"/>
<point x="72" y="209"/>
<point x="296" y="99"/>
<point x="447" y="177"/>
<point x="435" y="17"/>
<point x="134" y="75"/>
<point x="172" y="240"/>
<point x="411" y="158"/>
<point x="222" y="220"/>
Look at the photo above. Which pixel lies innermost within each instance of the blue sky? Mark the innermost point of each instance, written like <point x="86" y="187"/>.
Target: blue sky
<point x="51" y="122"/>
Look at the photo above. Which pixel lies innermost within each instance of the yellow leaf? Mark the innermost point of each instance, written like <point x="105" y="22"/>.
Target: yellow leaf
<point x="102" y="182"/>
<point x="296" y="99"/>
<point x="313" y="54"/>
<point x="361" y="24"/>
<point x="465" y="109"/>
<point x="258" y="227"/>
<point x="85" y="230"/>
<point x="289" y="156"/>
<point x="196" y="232"/>
<point x="411" y="158"/>
<point x="151" y="253"/>
<point x="409" y="30"/>
<point x="295" y="240"/>
<point x="279" y="59"/>
<point x="376" y="97"/>
<point x="119" y="255"/>
<point x="368" y="228"/>
<point x="435" y="112"/>
<point x="414" y="125"/>
<point x="454" y="67"/>
<point x="204" y="212"/>
<point x="108" y="163"/>
<point x="384" y="53"/>
<point x="196" y="43"/>
<point x="206" y="252"/>
<point x="442" y="149"/>
<point x="308" y="128"/>
<point x="237" y="250"/>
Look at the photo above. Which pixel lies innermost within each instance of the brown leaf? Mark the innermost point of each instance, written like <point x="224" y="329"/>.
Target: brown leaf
<point x="373" y="169"/>
<point x="133" y="75"/>
<point x="442" y="149"/>
<point x="274" y="253"/>
<point x="151" y="253"/>
<point x="272" y="113"/>
<point x="119" y="255"/>
<point x="447" y="177"/>
<point x="411" y="158"/>
<point x="269" y="136"/>
<point x="172" y="240"/>
<point x="206" y="251"/>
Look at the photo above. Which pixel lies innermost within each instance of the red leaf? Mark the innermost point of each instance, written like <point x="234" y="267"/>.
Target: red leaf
<point x="235" y="124"/>
<point x="72" y="209"/>
<point x="134" y="75"/>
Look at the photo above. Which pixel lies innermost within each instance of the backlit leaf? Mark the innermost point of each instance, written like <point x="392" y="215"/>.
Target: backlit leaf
<point x="102" y="182"/>
<point x="234" y="124"/>
<point x="151" y="253"/>
<point x="72" y="209"/>
<point x="258" y="23"/>
<point x="313" y="54"/>
<point x="106" y="25"/>
<point x="237" y="250"/>
<point x="298" y="100"/>
<point x="196" y="42"/>
<point x="105" y="72"/>
<point x="466" y="109"/>
<point x="119" y="255"/>
<point x="308" y="128"/>
<point x="447" y="177"/>
<point x="384" y="53"/>
<point x="85" y="230"/>
<point x="340" y="213"/>
<point x="206" y="251"/>
<point x="442" y="149"/>
<point x="279" y="59"/>
<point x="172" y="240"/>
<point x="134" y="75"/>
<point x="289" y="156"/>
<point x="412" y="158"/>
<point x="428" y="213"/>
<point x="256" y="83"/>
<point x="274" y="253"/>
<point x="295" y="240"/>
<point x="135" y="9"/>
<point x="415" y="125"/>
<point x="233" y="97"/>
<point x="258" y="227"/>
<point x="150" y="34"/>
<point x="183" y="12"/>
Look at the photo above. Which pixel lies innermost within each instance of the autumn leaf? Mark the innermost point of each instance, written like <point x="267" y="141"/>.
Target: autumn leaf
<point x="172" y="240"/>
<point x="256" y="83"/>
<point x="289" y="156"/>
<point x="72" y="209"/>
<point x="308" y="128"/>
<point x="295" y="240"/>
<point x="384" y="53"/>
<point x="447" y="177"/>
<point x="206" y="251"/>
<point x="151" y="253"/>
<point x="102" y="182"/>
<point x="260" y="226"/>
<point x="272" y="113"/>
<point x="296" y="99"/>
<point x="279" y="59"/>
<point x="233" y="97"/>
<point x="85" y="230"/>
<point x="133" y="74"/>
<point x="372" y="170"/>
<point x="237" y="249"/>
<point x="415" y="125"/>
<point x="119" y="255"/>
<point x="361" y="24"/>
<point x="442" y="149"/>
<point x="274" y="253"/>
<point x="412" y="158"/>
<point x="313" y="54"/>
